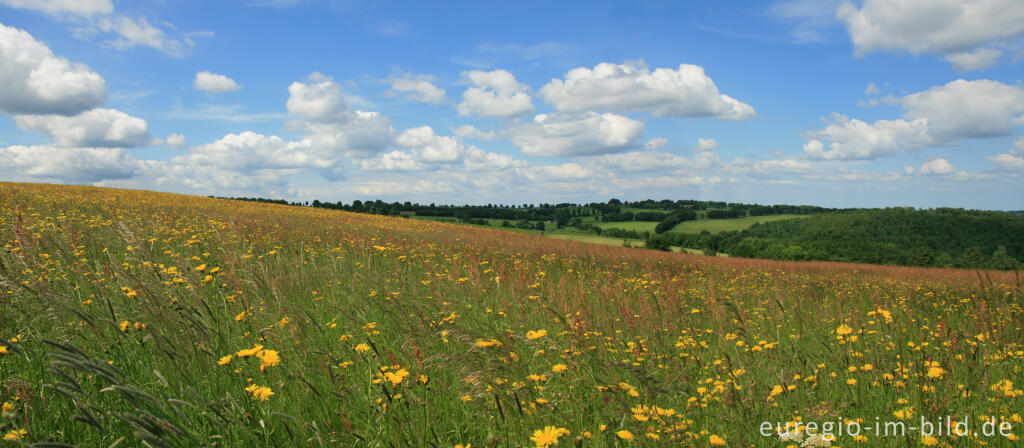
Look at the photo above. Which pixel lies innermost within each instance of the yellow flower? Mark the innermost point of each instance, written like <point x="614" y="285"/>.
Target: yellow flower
<point x="852" y="381"/>
<point x="3" y="349"/>
<point x="245" y="353"/>
<point x="844" y="330"/>
<point x="224" y="360"/>
<point x="261" y="393"/>
<point x="124" y="326"/>
<point x="362" y="348"/>
<point x="559" y="368"/>
<point x="7" y="407"/>
<point x="396" y="377"/>
<point x="715" y="440"/>
<point x="15" y="434"/>
<point x="536" y="334"/>
<point x="936" y="372"/>
<point x="929" y="441"/>
<point x="269" y="357"/>
<point x="487" y="343"/>
<point x="624" y="435"/>
<point x="201" y="267"/>
<point x="548" y="436"/>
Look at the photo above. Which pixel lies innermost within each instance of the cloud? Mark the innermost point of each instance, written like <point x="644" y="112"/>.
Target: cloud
<point x="979" y="59"/>
<point x="417" y="88"/>
<point x="137" y="32"/>
<point x="706" y="144"/>
<point x="853" y="139"/>
<point x="214" y="83"/>
<point x="106" y="128"/>
<point x="953" y="28"/>
<point x="471" y="132"/>
<point x="577" y="134"/>
<point x="330" y="124"/>
<point x="81" y="8"/>
<point x="92" y="17"/>
<point x="940" y="116"/>
<point x="35" y="81"/>
<point x="872" y="89"/>
<point x="936" y="166"/>
<point x="1012" y="161"/>
<point x="318" y="99"/>
<point x="1008" y="162"/>
<point x="427" y="150"/>
<point x="966" y="109"/>
<point x="494" y="94"/>
<point x="176" y="141"/>
<point x="565" y="171"/>
<point x="358" y="133"/>
<point x="632" y="87"/>
<point x="69" y="164"/>
<point x="656" y="143"/>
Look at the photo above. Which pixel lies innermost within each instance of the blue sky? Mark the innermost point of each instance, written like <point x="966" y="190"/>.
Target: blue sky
<point x="873" y="103"/>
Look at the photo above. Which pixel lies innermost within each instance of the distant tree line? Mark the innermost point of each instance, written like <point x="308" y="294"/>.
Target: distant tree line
<point x="943" y="237"/>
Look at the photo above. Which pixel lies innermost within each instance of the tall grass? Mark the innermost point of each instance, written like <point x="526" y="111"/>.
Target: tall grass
<point x="121" y="308"/>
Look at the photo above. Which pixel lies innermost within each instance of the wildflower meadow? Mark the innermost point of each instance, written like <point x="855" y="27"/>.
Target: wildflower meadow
<point x="133" y="318"/>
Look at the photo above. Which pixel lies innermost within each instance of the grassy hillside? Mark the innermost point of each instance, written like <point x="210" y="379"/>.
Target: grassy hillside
<point x="144" y="319"/>
<point x="943" y="237"/>
<point x="723" y="225"/>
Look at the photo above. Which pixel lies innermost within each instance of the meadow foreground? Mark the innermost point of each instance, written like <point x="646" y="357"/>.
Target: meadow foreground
<point x="134" y="318"/>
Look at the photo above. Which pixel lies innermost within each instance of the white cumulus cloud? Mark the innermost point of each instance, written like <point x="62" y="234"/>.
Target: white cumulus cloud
<point x="633" y="87"/>
<point x="471" y="132"/>
<point x="706" y="144"/>
<point x="952" y="28"/>
<point x="35" y="81"/>
<point x="940" y="116"/>
<point x="176" y="141"/>
<point x="494" y="94"/>
<point x="936" y="166"/>
<point x="577" y="134"/>
<point x="417" y="88"/>
<point x="214" y="83"/>
<point x="107" y="128"/>
<point x="69" y="164"/>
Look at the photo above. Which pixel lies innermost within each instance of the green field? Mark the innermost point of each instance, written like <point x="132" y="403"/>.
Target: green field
<point x="639" y="226"/>
<point x="722" y="225"/>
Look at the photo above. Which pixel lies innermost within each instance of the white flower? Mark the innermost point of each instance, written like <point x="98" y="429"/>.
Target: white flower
<point x="818" y="441"/>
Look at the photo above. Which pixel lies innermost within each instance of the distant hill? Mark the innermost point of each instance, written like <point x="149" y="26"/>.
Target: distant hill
<point x="903" y="236"/>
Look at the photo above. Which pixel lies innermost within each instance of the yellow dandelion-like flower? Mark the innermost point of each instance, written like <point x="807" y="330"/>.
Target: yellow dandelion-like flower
<point x="15" y="434"/>
<point x="559" y="368"/>
<point x="929" y="441"/>
<point x="536" y="334"/>
<point x="201" y="267"/>
<point x="3" y="349"/>
<point x="269" y="357"/>
<point x="261" y="393"/>
<point x="936" y="372"/>
<point x="245" y="353"/>
<point x="548" y="436"/>
<point x="844" y="330"/>
<point x="124" y="326"/>
<point x="224" y="360"/>
<point x="715" y="440"/>
<point x="362" y="348"/>
<point x="487" y="343"/>
<point x="624" y="435"/>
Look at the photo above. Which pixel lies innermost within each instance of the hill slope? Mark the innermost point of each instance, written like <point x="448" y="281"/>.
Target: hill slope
<point x="133" y="317"/>
<point x="942" y="237"/>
